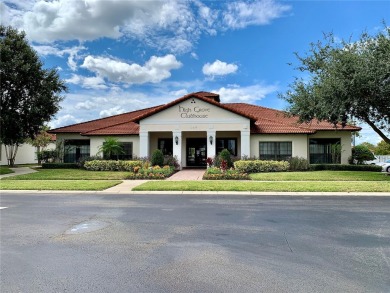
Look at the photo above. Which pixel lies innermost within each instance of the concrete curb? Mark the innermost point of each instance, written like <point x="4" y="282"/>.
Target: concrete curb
<point x="105" y="192"/>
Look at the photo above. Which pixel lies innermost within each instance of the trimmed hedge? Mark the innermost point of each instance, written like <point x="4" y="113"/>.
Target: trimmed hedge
<point x="344" y="167"/>
<point x="60" y="166"/>
<point x="112" y="165"/>
<point x="257" y="166"/>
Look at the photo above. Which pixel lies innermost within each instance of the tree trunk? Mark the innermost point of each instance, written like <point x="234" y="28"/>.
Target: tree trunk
<point x="38" y="155"/>
<point x="10" y="151"/>
<point x="377" y="130"/>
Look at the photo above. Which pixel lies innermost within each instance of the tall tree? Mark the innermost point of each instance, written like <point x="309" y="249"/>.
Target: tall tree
<point x="382" y="148"/>
<point x="347" y="80"/>
<point x="30" y="94"/>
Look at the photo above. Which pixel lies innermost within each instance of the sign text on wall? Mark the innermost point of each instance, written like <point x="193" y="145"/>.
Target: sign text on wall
<point x="194" y="112"/>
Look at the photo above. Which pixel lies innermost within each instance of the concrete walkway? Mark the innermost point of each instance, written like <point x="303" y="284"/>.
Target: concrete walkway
<point x="187" y="174"/>
<point x="128" y="185"/>
<point x="125" y="186"/>
<point x="19" y="171"/>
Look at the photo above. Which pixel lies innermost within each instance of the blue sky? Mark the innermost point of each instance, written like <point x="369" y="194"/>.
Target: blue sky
<point x="118" y="56"/>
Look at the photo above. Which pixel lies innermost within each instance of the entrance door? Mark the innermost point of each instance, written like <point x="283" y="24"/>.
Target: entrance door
<point x="196" y="152"/>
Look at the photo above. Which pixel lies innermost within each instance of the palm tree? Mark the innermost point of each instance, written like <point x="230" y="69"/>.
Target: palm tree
<point x="110" y="147"/>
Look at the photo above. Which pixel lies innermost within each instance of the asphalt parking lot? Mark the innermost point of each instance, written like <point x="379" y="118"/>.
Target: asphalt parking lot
<point x="194" y="243"/>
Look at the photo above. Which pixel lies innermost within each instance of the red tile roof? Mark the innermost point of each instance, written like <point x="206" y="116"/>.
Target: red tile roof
<point x="264" y="120"/>
<point x="114" y="123"/>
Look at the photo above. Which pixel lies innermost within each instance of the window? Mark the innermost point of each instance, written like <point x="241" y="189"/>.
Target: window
<point x="166" y="146"/>
<point x="127" y="154"/>
<point x="75" y="149"/>
<point x="227" y="143"/>
<point x="325" y="151"/>
<point x="277" y="151"/>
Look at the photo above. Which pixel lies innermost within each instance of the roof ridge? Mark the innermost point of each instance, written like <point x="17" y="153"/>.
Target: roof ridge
<point x="185" y="97"/>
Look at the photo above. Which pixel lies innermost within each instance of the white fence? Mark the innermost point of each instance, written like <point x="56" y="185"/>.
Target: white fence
<point x="381" y="158"/>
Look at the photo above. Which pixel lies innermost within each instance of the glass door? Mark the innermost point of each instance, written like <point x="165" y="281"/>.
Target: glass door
<point x="196" y="152"/>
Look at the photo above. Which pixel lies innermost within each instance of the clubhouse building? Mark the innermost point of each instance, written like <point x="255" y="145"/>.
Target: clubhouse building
<point x="197" y="126"/>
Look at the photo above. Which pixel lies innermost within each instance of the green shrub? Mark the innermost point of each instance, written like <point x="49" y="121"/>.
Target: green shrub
<point x="226" y="156"/>
<point x="111" y="165"/>
<point x="361" y="153"/>
<point x="298" y="164"/>
<point x="60" y="166"/>
<point x="345" y="167"/>
<point x="172" y="162"/>
<point x="257" y="166"/>
<point x="157" y="158"/>
<point x="82" y="161"/>
<point x="46" y="155"/>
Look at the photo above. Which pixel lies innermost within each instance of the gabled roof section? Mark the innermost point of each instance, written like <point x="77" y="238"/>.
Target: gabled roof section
<point x="210" y="98"/>
<point x="273" y="121"/>
<point x="108" y="122"/>
<point x="263" y="120"/>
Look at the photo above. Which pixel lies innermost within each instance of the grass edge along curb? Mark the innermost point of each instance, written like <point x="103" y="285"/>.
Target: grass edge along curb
<point x="80" y="185"/>
<point x="257" y="186"/>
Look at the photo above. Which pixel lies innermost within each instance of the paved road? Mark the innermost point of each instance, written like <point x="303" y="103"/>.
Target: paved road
<point x="190" y="243"/>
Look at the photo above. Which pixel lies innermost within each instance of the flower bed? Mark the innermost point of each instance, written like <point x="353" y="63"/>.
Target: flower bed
<point x="151" y="173"/>
<point x="230" y="174"/>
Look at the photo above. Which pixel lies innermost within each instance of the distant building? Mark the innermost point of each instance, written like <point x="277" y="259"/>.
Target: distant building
<point x="27" y="154"/>
<point x="197" y="126"/>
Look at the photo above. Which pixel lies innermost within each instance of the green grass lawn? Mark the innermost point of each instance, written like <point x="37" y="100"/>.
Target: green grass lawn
<point x="316" y="181"/>
<point x="227" y="185"/>
<point x="57" y="184"/>
<point x="321" y="176"/>
<point x="5" y="170"/>
<point x="70" y="174"/>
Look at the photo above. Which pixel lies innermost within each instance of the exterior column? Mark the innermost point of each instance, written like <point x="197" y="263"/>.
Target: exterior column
<point x="211" y="141"/>
<point x="245" y="143"/>
<point x="177" y="147"/>
<point x="144" y="144"/>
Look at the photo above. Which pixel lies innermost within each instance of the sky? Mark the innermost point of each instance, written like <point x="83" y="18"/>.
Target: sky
<point x="118" y="56"/>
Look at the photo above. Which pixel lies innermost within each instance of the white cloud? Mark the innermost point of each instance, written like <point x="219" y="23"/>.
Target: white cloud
<point x="66" y="119"/>
<point x="194" y="55"/>
<point x="173" y="25"/>
<point x="94" y="82"/>
<point x="219" y="68"/>
<point x="241" y="14"/>
<point x="73" y="52"/>
<point x="112" y="111"/>
<point x="87" y="105"/>
<point x="178" y="93"/>
<point x="154" y="70"/>
<point x="249" y="94"/>
<point x="367" y="134"/>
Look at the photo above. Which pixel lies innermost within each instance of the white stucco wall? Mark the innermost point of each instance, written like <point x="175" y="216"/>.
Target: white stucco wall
<point x="212" y="117"/>
<point x="27" y="154"/>
<point x="299" y="143"/>
<point x="97" y="141"/>
<point x="190" y="119"/>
